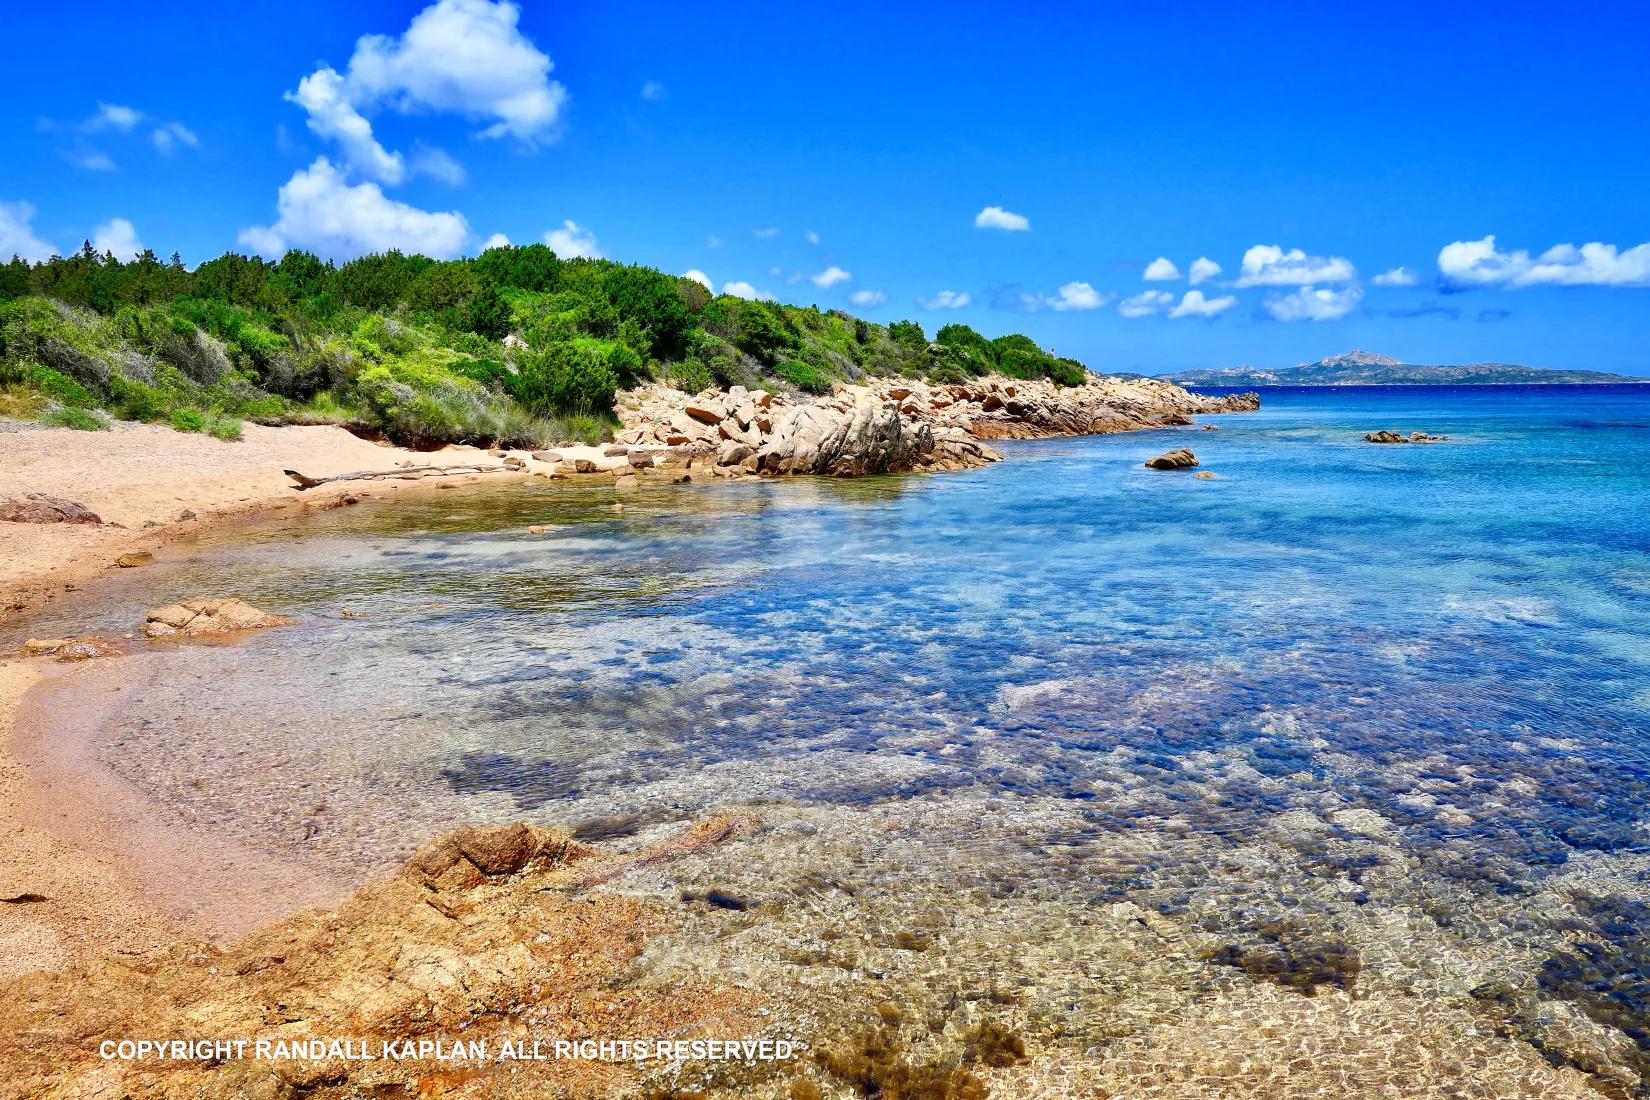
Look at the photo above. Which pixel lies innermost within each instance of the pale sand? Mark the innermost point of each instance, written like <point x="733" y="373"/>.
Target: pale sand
<point x="117" y="872"/>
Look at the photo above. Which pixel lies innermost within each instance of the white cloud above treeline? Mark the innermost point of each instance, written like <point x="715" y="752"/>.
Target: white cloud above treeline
<point x="1202" y="270"/>
<point x="1194" y="304"/>
<point x="1398" y="276"/>
<point x="1076" y="296"/>
<point x="947" y="299"/>
<point x="1145" y="303"/>
<point x="118" y="237"/>
<point x="320" y="210"/>
<point x="17" y="236"/>
<point x="572" y="241"/>
<point x="995" y="217"/>
<point x="738" y="288"/>
<point x="1481" y="263"/>
<point x="830" y="277"/>
<point x="868" y="298"/>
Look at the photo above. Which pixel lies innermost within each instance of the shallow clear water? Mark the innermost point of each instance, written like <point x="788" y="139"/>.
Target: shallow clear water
<point x="1337" y="680"/>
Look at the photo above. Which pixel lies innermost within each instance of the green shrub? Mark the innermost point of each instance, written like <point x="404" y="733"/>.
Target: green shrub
<point x="82" y="420"/>
<point x="804" y="376"/>
<point x="690" y="376"/>
<point x="570" y="378"/>
<point x="576" y="429"/>
<point x="188" y="420"/>
<point x="131" y="400"/>
<point x="59" y="387"/>
<point x="226" y="429"/>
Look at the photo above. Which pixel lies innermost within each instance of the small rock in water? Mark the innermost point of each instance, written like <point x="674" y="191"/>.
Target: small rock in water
<point x="584" y="466"/>
<point x="537" y="529"/>
<point x="1178" y="459"/>
<point x="135" y="559"/>
<point x="200" y="615"/>
<point x="1205" y="475"/>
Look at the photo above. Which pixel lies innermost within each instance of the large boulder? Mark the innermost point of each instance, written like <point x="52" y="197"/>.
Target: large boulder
<point x="1178" y="459"/>
<point x="202" y="616"/>
<point x="40" y="508"/>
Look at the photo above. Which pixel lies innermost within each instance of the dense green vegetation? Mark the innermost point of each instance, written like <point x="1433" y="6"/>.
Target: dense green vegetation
<point x="516" y="346"/>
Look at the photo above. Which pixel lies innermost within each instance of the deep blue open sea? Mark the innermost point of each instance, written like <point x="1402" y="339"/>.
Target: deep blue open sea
<point x="1336" y="680"/>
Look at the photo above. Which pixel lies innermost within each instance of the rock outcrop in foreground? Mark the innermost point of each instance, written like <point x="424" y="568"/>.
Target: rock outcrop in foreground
<point x="891" y="426"/>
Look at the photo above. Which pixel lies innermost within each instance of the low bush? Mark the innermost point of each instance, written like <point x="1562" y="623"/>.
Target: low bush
<point x="83" y="420"/>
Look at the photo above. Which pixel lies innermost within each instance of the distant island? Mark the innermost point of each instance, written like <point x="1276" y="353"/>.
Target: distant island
<point x="1363" y="368"/>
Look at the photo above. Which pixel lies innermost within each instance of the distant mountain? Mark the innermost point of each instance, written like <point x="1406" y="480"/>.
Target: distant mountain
<point x="1363" y="368"/>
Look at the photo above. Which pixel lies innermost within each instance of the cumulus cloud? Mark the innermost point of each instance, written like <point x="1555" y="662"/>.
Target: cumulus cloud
<point x="168" y="136"/>
<point x="463" y="57"/>
<point x="1161" y="270"/>
<point x="17" y="234"/>
<point x="1202" y="270"/>
<point x="1145" y="303"/>
<point x="573" y="241"/>
<point x="117" y="236"/>
<point x="1398" y="276"/>
<point x="325" y="99"/>
<point x="741" y="289"/>
<point x="1194" y="304"/>
<point x="1076" y="295"/>
<point x="995" y="217"/>
<point x="947" y="299"/>
<point x="318" y="209"/>
<point x="497" y="240"/>
<point x="831" y="276"/>
<point x="653" y="91"/>
<point x="699" y="277"/>
<point x="1480" y="263"/>
<point x="1269" y="265"/>
<point x="868" y="298"/>
<point x="1313" y="304"/>
<point x="812" y="236"/>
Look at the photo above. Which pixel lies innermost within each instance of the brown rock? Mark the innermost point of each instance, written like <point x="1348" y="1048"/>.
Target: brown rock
<point x="1179" y="459"/>
<point x="43" y="647"/>
<point x="584" y="466"/>
<point x="201" y="616"/>
<point x="40" y="508"/>
<point x="547" y="456"/>
<point x="705" y="414"/>
<point x="641" y="460"/>
<point x="1385" y="437"/>
<point x="135" y="559"/>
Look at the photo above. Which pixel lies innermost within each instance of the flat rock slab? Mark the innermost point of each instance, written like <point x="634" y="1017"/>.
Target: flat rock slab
<point x="40" y="508"/>
<point x="202" y="616"/>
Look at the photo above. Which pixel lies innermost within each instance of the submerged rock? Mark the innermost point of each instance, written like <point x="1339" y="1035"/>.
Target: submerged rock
<point x="40" y="508"/>
<point x="1178" y="459"/>
<point x="202" y="616"/>
<point x="135" y="559"/>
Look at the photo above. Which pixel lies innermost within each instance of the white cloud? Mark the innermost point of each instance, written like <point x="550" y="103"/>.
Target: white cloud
<point x="995" y="217"/>
<point x="767" y="232"/>
<point x="93" y="160"/>
<point x="1076" y="295"/>
<point x="168" y="136"/>
<point x="1269" y="265"/>
<point x="1161" y="270"/>
<point x="117" y="236"/>
<point x="1194" y="304"/>
<point x="699" y="277"/>
<point x="1309" y="304"/>
<point x="830" y="277"/>
<point x="112" y="116"/>
<point x="1480" y="263"/>
<point x="427" y="160"/>
<point x="653" y="91"/>
<point x="465" y="57"/>
<point x="713" y="241"/>
<point x="325" y="98"/>
<point x="497" y="240"/>
<point x="319" y="210"/>
<point x="868" y="298"/>
<point x="573" y="241"/>
<point x="1202" y="270"/>
<point x="947" y="299"/>
<point x="812" y="236"/>
<point x="1145" y="303"/>
<point x="17" y="234"/>
<point x="1398" y="276"/>
<point x="741" y="289"/>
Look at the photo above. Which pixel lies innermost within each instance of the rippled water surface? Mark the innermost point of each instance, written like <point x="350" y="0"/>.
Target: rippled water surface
<point x="1365" y="713"/>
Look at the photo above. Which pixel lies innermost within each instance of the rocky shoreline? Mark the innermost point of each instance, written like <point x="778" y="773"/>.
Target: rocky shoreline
<point x="893" y="426"/>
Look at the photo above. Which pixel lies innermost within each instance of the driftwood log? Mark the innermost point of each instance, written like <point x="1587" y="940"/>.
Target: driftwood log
<point x="406" y="473"/>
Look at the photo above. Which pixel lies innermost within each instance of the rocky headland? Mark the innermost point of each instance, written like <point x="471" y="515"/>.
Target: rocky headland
<point x="894" y="426"/>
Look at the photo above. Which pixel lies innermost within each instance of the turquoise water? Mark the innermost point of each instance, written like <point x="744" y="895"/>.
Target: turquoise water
<point x="1399" y="695"/>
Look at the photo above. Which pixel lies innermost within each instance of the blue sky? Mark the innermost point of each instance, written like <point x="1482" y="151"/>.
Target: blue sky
<point x="1304" y="150"/>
